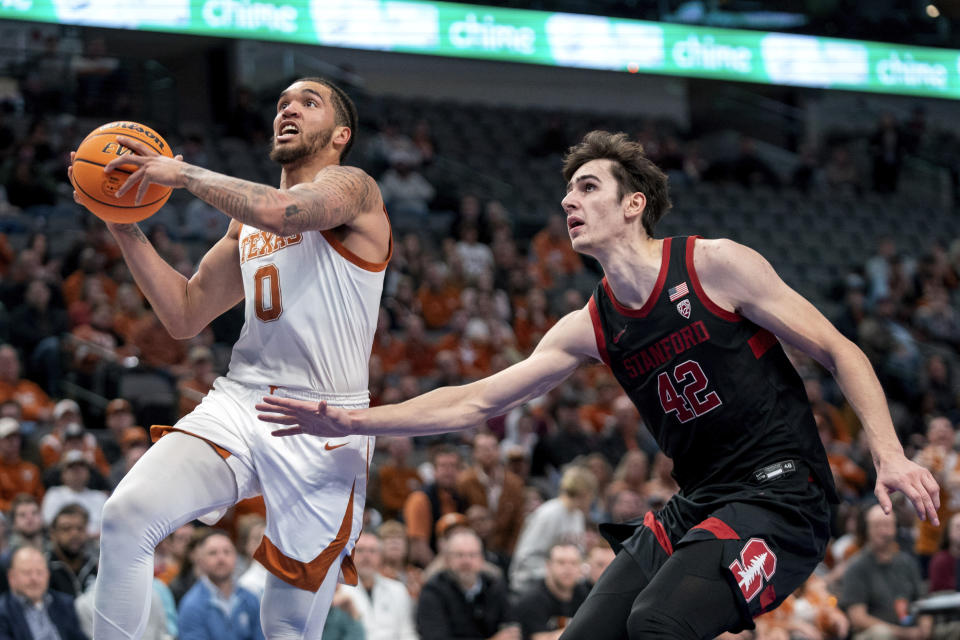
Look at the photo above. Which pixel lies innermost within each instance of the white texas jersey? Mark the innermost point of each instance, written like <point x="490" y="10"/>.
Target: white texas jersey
<point x="311" y="312"/>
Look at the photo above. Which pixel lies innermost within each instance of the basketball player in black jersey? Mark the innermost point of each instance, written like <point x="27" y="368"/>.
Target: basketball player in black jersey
<point x="691" y="328"/>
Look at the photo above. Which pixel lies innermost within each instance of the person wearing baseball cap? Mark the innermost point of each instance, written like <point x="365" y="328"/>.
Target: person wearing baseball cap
<point x="75" y="478"/>
<point x="118" y="417"/>
<point x="16" y="475"/>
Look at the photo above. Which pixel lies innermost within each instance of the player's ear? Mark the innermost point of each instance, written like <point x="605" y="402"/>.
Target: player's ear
<point x="342" y="135"/>
<point x="634" y="203"/>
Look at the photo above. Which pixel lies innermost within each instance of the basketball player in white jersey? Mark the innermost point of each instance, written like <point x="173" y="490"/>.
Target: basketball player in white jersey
<point x="308" y="259"/>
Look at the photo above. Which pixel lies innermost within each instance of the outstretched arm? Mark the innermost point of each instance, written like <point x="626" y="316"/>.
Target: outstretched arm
<point x="337" y="196"/>
<point x="566" y="345"/>
<point x="740" y="278"/>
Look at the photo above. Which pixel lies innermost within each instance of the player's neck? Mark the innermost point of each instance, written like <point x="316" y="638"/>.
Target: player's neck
<point x="305" y="170"/>
<point x="632" y="269"/>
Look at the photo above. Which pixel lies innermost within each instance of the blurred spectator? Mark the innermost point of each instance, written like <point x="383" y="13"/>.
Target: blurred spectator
<point x="35" y="403"/>
<point x="384" y="606"/>
<point x="343" y="619"/>
<point x="406" y="193"/>
<point x="626" y="505"/>
<point x="559" y="519"/>
<point x="462" y="601"/>
<point x="423" y="507"/>
<point x="632" y="473"/>
<point x="943" y="565"/>
<point x="31" y="609"/>
<point x="215" y="607"/>
<point x="68" y="434"/>
<point x="880" y="584"/>
<point x="36" y="327"/>
<point x="886" y="149"/>
<point x="254" y="578"/>
<point x="75" y="475"/>
<point x="395" y="478"/>
<point x="134" y="442"/>
<point x="625" y="431"/>
<point x="599" y="557"/>
<point x="944" y="463"/>
<point x="424" y="142"/>
<point x="101" y="88"/>
<point x="449" y="524"/>
<point x="17" y="476"/>
<point x="172" y="553"/>
<point x="396" y="564"/>
<point x="438" y="297"/>
<point x="45" y="85"/>
<point x="476" y="258"/>
<point x="489" y="484"/>
<point x="545" y="607"/>
<point x="27" y="182"/>
<point x="570" y="440"/>
<point x="26" y="523"/>
<point x="117" y="417"/>
<point x="480" y="520"/>
<point x="199" y="381"/>
<point x="189" y="569"/>
<point x="156" y="346"/>
<point x="91" y="267"/>
<point x="662" y="485"/>
<point x="73" y="565"/>
<point x="552" y="254"/>
<point x="841" y="171"/>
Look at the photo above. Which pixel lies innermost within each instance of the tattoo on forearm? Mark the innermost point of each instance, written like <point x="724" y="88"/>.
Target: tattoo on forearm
<point x="133" y="231"/>
<point x="239" y="199"/>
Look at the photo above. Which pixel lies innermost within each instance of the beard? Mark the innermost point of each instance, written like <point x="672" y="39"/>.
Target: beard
<point x="295" y="152"/>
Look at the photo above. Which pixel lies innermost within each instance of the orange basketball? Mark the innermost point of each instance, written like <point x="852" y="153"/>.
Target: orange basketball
<point x="96" y="189"/>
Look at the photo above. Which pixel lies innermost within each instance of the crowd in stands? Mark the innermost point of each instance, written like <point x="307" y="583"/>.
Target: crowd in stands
<point x="489" y="533"/>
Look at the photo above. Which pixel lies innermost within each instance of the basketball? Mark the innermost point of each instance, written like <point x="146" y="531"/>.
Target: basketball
<point x="96" y="189"/>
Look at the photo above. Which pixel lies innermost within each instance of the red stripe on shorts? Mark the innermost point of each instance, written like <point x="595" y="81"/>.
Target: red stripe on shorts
<point x="651" y="522"/>
<point x="719" y="528"/>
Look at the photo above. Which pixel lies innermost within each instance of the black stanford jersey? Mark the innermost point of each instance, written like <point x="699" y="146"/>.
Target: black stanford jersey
<point x="716" y="390"/>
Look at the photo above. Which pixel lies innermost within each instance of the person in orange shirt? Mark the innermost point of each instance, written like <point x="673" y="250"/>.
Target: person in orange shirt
<point x="597" y="413"/>
<point x="425" y="506"/>
<point x="438" y="297"/>
<point x="91" y="266"/>
<point x="553" y="253"/>
<point x="943" y="462"/>
<point x="396" y="479"/>
<point x="16" y="475"/>
<point x="68" y="424"/>
<point x="33" y="400"/>
<point x="489" y="484"/>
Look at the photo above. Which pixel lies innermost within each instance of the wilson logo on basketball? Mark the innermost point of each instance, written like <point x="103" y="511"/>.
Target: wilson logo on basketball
<point x="756" y="565"/>
<point x="261" y="243"/>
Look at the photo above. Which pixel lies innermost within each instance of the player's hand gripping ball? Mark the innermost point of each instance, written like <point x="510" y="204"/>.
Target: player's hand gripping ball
<point x="97" y="190"/>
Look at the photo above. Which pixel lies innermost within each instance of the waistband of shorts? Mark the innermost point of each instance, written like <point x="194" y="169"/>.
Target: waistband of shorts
<point x="299" y="393"/>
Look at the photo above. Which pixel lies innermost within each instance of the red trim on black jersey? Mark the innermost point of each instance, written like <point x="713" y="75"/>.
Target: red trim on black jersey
<point x="643" y="311"/>
<point x="650" y="521"/>
<point x="598" y="330"/>
<point x="719" y="528"/>
<point x="711" y="306"/>
<point x="761" y="342"/>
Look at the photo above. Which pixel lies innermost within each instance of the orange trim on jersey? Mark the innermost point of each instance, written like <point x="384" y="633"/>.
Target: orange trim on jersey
<point x="644" y="311"/>
<point x="350" y="256"/>
<point x="711" y="306"/>
<point x="157" y="431"/>
<point x="310" y="575"/>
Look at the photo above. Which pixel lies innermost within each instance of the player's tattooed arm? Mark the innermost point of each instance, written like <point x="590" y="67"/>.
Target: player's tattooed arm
<point x="131" y="231"/>
<point x="334" y="198"/>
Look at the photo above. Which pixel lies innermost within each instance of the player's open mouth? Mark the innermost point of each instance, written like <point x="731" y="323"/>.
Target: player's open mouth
<point x="573" y="222"/>
<point x="288" y="131"/>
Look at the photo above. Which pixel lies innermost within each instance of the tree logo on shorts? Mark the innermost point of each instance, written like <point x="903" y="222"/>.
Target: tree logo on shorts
<point x="757" y="563"/>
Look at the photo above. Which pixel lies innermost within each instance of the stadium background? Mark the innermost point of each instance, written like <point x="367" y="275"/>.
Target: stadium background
<point x="852" y="197"/>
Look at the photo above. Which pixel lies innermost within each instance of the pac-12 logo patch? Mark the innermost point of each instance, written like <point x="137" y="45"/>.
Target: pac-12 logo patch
<point x="757" y="564"/>
<point x="684" y="307"/>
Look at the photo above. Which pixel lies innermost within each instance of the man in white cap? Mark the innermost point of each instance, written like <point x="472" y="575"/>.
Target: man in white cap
<point x="67" y="413"/>
<point x="75" y="476"/>
<point x="16" y="475"/>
